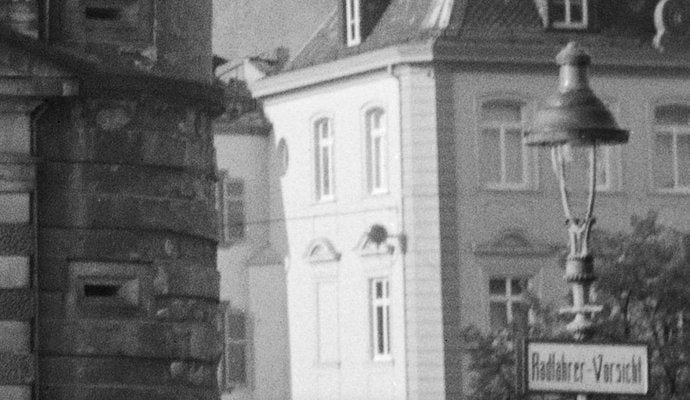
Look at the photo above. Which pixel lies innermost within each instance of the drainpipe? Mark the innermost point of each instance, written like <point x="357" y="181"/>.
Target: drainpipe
<point x="402" y="238"/>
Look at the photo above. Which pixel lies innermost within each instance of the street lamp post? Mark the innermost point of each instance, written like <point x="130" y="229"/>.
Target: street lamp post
<point x="575" y="118"/>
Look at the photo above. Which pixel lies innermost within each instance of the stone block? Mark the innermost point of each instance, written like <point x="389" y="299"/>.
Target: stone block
<point x="16" y="369"/>
<point x="16" y="240"/>
<point x="16" y="304"/>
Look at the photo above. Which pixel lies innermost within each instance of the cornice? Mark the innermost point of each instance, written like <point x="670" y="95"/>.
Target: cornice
<point x="419" y="52"/>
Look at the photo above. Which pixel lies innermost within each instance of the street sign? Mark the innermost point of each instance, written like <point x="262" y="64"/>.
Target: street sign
<point x="574" y="367"/>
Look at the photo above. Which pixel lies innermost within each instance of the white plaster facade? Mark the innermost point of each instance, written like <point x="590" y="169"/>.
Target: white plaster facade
<point x="336" y="355"/>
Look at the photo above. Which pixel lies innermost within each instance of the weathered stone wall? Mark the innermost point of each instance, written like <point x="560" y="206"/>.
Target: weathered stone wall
<point x="127" y="250"/>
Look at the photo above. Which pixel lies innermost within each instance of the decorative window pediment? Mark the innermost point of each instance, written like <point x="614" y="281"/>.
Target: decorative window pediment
<point x="321" y="250"/>
<point x="512" y="242"/>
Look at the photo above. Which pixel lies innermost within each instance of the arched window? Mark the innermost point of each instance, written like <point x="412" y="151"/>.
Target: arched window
<point x="671" y="163"/>
<point x="323" y="159"/>
<point x="375" y="125"/>
<point x="502" y="157"/>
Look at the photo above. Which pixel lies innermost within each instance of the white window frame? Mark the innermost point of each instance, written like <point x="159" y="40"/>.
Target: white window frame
<point x="502" y="127"/>
<point x="376" y="157"/>
<point x="674" y="131"/>
<point x="509" y="298"/>
<point x="380" y="339"/>
<point x="324" y="145"/>
<point x="353" y="22"/>
<point x="568" y="21"/>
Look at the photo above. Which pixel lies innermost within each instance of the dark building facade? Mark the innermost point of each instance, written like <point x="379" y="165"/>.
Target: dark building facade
<point x="108" y="285"/>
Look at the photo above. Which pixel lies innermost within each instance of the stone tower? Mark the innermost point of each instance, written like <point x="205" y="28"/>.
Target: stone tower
<point x="108" y="285"/>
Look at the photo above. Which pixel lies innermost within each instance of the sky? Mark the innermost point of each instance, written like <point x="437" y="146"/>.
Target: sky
<point x="244" y="28"/>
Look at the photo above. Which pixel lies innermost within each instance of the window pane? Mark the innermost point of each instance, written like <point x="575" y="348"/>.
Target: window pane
<point x="517" y="286"/>
<point x="513" y="154"/>
<point x="377" y="162"/>
<point x="576" y="12"/>
<point x="379" y="290"/>
<point x="520" y="313"/>
<point x="663" y="161"/>
<point x="497" y="286"/>
<point x="498" y="315"/>
<point x="380" y="345"/>
<point x="325" y="170"/>
<point x="235" y="362"/>
<point x="684" y="160"/>
<point x="490" y="156"/>
<point x="235" y="328"/>
<point x="673" y="114"/>
<point x="388" y="330"/>
<point x="557" y="10"/>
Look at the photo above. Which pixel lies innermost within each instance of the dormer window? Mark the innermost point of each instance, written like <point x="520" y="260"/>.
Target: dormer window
<point x="352" y="23"/>
<point x="361" y="17"/>
<point x="568" y="14"/>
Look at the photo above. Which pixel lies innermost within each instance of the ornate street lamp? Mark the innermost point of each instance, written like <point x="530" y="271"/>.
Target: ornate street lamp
<point x="574" y="120"/>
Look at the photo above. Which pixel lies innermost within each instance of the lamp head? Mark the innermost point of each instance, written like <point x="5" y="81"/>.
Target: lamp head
<point x="574" y="115"/>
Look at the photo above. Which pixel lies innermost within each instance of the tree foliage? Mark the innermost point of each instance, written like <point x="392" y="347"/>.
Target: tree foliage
<point x="644" y="286"/>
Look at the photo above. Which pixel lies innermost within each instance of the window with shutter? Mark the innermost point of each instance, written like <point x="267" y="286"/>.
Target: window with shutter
<point x="230" y="206"/>
<point x="233" y="365"/>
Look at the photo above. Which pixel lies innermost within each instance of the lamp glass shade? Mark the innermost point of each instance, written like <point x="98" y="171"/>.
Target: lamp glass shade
<point x="574" y="115"/>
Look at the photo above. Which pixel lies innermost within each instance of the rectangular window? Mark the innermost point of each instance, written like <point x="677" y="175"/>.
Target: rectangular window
<point x="507" y="305"/>
<point x="380" y="319"/>
<point x="233" y="364"/>
<point x="323" y="158"/>
<point x="502" y="157"/>
<point x="352" y="22"/>
<point x="375" y="126"/>
<point x="230" y="206"/>
<point x="671" y="163"/>
<point x="568" y="14"/>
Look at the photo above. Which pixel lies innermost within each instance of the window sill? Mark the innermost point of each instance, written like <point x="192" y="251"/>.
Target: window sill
<point x="509" y="188"/>
<point x="570" y="26"/>
<point x="378" y="193"/>
<point x="381" y="362"/>
<point x="325" y="200"/>
<point x="685" y="191"/>
<point x="327" y="365"/>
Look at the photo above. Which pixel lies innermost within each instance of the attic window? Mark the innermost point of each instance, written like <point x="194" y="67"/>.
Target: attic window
<point x="568" y="14"/>
<point x="361" y="17"/>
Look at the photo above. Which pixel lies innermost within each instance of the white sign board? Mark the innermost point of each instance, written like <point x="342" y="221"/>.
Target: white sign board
<point x="586" y="368"/>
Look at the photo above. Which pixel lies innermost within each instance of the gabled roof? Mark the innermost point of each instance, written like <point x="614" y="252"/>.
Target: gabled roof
<point x="620" y="32"/>
<point x="403" y="21"/>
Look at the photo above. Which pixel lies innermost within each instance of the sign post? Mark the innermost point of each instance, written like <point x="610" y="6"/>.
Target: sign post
<point x="571" y="367"/>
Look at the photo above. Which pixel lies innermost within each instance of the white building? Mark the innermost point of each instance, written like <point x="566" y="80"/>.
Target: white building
<point x="401" y="203"/>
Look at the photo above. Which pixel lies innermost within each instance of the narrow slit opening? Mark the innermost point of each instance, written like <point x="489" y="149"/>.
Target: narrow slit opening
<point x="103" y="13"/>
<point x="101" y="290"/>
